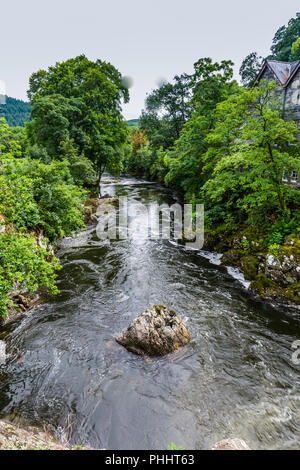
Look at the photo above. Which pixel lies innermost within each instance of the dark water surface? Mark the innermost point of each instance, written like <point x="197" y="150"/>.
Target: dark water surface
<point x="235" y="379"/>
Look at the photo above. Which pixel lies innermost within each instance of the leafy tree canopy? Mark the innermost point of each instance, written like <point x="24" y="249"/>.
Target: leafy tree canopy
<point x="211" y="84"/>
<point x="167" y="109"/>
<point x="79" y="100"/>
<point x="250" y="149"/>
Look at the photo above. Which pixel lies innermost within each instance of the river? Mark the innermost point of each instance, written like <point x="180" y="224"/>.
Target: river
<point x="235" y="379"/>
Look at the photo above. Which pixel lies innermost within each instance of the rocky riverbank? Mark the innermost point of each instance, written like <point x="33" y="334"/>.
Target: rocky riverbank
<point x="15" y="437"/>
<point x="273" y="272"/>
<point x="27" y="437"/>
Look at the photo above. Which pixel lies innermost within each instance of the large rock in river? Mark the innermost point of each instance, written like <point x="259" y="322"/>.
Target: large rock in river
<point x="156" y="332"/>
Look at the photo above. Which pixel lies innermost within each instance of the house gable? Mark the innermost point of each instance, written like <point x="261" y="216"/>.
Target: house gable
<point x="287" y="77"/>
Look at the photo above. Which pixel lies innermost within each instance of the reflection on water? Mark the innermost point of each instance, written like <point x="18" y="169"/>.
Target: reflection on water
<point x="235" y="379"/>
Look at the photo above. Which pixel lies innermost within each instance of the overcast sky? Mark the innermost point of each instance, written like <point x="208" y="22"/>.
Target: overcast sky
<point x="148" y="40"/>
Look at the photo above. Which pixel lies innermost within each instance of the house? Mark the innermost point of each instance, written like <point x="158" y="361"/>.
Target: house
<point x="287" y="77"/>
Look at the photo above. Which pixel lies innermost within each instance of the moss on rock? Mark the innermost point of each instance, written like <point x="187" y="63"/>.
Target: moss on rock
<point x="292" y="292"/>
<point x="262" y="284"/>
<point x="250" y="264"/>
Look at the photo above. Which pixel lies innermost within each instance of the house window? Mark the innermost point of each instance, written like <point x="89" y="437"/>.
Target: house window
<point x="294" y="178"/>
<point x="285" y="176"/>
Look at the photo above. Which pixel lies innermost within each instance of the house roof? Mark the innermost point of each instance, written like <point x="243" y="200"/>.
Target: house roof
<point x="283" y="71"/>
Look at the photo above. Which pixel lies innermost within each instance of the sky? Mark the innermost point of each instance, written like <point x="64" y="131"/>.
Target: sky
<point x="148" y="40"/>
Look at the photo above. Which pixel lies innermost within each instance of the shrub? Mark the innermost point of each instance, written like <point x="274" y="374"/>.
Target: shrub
<point x="25" y="265"/>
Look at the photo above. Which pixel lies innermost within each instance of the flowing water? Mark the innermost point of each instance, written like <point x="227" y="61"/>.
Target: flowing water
<point x="235" y="379"/>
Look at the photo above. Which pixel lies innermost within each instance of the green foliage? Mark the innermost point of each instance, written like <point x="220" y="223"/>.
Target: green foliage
<point x="296" y="46"/>
<point x="11" y="139"/>
<point x="284" y="39"/>
<point x="274" y="249"/>
<point x="211" y="84"/>
<point x="35" y="197"/>
<point x="81" y="168"/>
<point x="58" y="200"/>
<point x="172" y="446"/>
<point x="250" y="68"/>
<point x="280" y="229"/>
<point x="25" y="265"/>
<point x="16" y="112"/>
<point x="247" y="179"/>
<point x="245" y="244"/>
<point x="79" y="101"/>
<point x="167" y="109"/>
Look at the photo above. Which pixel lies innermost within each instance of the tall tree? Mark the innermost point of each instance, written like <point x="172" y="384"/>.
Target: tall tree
<point x="167" y="109"/>
<point x="80" y="100"/>
<point x="250" y="147"/>
<point x="250" y="68"/>
<point x="211" y="83"/>
<point x="283" y="41"/>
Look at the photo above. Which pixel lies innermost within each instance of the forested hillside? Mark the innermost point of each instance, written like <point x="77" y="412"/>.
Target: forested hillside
<point x="16" y="112"/>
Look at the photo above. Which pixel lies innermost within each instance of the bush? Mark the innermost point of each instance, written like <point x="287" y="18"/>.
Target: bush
<point x="280" y="229"/>
<point x="25" y="265"/>
<point x="41" y="197"/>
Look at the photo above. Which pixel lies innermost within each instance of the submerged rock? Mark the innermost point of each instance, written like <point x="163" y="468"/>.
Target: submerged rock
<point x="231" y="444"/>
<point x="156" y="332"/>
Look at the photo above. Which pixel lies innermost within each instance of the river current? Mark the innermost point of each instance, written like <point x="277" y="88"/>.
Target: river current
<point x="235" y="379"/>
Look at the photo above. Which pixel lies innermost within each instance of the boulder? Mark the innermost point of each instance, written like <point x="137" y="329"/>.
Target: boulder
<point x="156" y="332"/>
<point x="283" y="269"/>
<point x="231" y="444"/>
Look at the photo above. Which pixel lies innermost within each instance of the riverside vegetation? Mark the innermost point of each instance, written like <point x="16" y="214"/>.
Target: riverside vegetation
<point x="228" y="146"/>
<point x="49" y="168"/>
<point x="203" y="135"/>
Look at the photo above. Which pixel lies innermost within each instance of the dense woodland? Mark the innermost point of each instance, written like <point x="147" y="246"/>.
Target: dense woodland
<point x="193" y="136"/>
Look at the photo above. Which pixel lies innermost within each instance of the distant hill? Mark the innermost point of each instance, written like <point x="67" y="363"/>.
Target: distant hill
<point x="133" y="122"/>
<point x="16" y="112"/>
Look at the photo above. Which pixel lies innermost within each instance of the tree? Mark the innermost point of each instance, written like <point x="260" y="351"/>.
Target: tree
<point x="284" y="47"/>
<point x="283" y="41"/>
<point x="211" y="83"/>
<point x="296" y="46"/>
<point x="167" y="109"/>
<point x="250" y="68"/>
<point x="80" y="100"/>
<point x="247" y="179"/>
